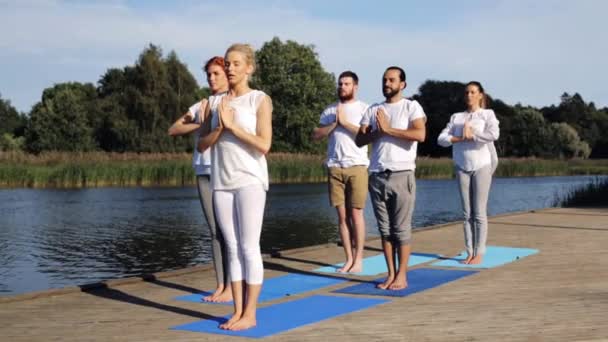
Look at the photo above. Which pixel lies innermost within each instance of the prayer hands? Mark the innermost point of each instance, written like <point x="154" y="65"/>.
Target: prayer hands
<point x="467" y="131"/>
<point x="226" y="113"/>
<point x="382" y="120"/>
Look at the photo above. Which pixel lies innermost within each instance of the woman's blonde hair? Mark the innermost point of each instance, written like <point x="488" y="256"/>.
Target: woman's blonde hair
<point x="246" y="50"/>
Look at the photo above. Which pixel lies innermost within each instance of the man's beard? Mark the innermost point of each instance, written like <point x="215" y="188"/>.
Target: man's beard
<point x="390" y="92"/>
<point x="346" y="97"/>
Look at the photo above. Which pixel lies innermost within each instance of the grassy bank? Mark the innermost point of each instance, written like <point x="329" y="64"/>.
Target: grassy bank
<point x="97" y="169"/>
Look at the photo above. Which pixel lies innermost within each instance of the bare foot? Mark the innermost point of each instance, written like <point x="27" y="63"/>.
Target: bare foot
<point x="211" y="297"/>
<point x="357" y="267"/>
<point x="228" y="325"/>
<point x="467" y="260"/>
<point x="224" y="297"/>
<point x="244" y="323"/>
<point x="476" y="260"/>
<point x="347" y="265"/>
<point x="398" y="284"/>
<point x="386" y="284"/>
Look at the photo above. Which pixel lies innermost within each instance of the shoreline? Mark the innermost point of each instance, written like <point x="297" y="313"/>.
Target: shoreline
<point x="146" y="277"/>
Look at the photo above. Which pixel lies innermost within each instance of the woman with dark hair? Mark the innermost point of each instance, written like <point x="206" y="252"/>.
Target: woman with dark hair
<point x="472" y="134"/>
<point x="191" y="122"/>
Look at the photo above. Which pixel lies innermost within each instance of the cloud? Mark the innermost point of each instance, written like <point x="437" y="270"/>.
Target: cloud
<point x="528" y="52"/>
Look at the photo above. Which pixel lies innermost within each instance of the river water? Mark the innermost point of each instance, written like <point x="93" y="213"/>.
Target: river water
<point x="56" y="238"/>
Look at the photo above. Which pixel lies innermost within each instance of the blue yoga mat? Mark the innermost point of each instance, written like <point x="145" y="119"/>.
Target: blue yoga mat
<point x="281" y="317"/>
<point x="418" y="280"/>
<point x="495" y="256"/>
<point x="377" y="265"/>
<point x="279" y="287"/>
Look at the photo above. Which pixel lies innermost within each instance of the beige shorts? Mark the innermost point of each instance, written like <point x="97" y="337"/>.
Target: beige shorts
<point x="348" y="186"/>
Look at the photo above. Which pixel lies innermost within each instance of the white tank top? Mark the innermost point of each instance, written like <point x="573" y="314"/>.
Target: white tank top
<point x="236" y="164"/>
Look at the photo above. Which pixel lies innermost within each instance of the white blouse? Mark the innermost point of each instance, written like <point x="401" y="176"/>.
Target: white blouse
<point x="473" y="154"/>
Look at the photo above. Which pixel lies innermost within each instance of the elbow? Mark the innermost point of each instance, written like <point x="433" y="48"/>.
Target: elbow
<point x="264" y="148"/>
<point x="442" y="141"/>
<point x="201" y="146"/>
<point x="317" y="134"/>
<point x="359" y="141"/>
<point x="421" y="137"/>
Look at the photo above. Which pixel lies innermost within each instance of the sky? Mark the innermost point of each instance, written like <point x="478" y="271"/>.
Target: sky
<point x="527" y="52"/>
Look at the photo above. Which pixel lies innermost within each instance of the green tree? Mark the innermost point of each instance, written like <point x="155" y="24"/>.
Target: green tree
<point x="440" y="99"/>
<point x="12" y="121"/>
<point x="567" y="142"/>
<point x="138" y="103"/>
<point x="61" y="121"/>
<point x="529" y="135"/>
<point x="291" y="74"/>
<point x="584" y="117"/>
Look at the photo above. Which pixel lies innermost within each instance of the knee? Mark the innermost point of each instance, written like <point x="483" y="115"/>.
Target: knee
<point x="384" y="233"/>
<point x="251" y="251"/>
<point x="481" y="217"/>
<point x="231" y="247"/>
<point x="403" y="237"/>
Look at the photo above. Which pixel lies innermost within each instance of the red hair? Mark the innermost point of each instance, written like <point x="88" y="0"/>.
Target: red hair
<point x="217" y="60"/>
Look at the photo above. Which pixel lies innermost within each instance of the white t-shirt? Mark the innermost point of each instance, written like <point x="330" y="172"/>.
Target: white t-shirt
<point x="201" y="162"/>
<point x="390" y="153"/>
<point x="475" y="154"/>
<point x="236" y="164"/>
<point x="341" y="148"/>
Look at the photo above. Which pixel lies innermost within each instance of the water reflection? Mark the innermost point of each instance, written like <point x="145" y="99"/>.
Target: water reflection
<point x="54" y="238"/>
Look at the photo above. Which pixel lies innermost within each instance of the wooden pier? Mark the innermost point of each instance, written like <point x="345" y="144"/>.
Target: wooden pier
<point x="559" y="294"/>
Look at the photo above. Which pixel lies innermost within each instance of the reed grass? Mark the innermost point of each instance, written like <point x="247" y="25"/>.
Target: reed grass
<point x="99" y="169"/>
<point x="592" y="194"/>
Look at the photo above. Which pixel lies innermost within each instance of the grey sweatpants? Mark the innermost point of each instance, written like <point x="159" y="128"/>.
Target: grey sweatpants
<point x="393" y="195"/>
<point x="474" y="190"/>
<point x="218" y="247"/>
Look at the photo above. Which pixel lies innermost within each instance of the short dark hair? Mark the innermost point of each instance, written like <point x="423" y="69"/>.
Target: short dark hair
<point x="350" y="74"/>
<point x="401" y="72"/>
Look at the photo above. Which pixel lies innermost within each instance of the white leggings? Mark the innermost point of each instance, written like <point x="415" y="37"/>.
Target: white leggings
<point x="240" y="213"/>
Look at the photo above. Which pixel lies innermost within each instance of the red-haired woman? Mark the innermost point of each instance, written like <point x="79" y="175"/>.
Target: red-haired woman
<point x="190" y="122"/>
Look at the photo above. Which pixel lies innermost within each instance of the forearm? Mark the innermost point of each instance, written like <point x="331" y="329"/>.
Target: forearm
<point x="487" y="136"/>
<point x="183" y="125"/>
<point x="365" y="136"/>
<point x="260" y="143"/>
<point x="321" y="132"/>
<point x="183" y="129"/>
<point x="209" y="139"/>
<point x="350" y="127"/>
<point x="445" y="138"/>
<point x="414" y="134"/>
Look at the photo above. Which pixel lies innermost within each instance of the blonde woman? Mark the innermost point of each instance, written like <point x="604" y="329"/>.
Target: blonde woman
<point x="240" y="134"/>
<point x="472" y="134"/>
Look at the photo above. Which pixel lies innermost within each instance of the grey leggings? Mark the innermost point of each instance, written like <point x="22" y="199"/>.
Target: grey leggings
<point x="220" y="259"/>
<point x="474" y="190"/>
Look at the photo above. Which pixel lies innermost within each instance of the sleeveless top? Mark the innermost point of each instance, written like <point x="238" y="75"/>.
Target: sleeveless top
<point x="236" y="164"/>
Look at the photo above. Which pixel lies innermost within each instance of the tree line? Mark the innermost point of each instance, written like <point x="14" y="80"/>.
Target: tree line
<point x="130" y="109"/>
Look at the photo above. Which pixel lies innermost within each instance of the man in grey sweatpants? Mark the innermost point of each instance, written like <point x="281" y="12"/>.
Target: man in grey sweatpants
<point x="395" y="127"/>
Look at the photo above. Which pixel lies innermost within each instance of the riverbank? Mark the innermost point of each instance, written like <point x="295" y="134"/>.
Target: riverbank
<point x="98" y="169"/>
<point x="528" y="298"/>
